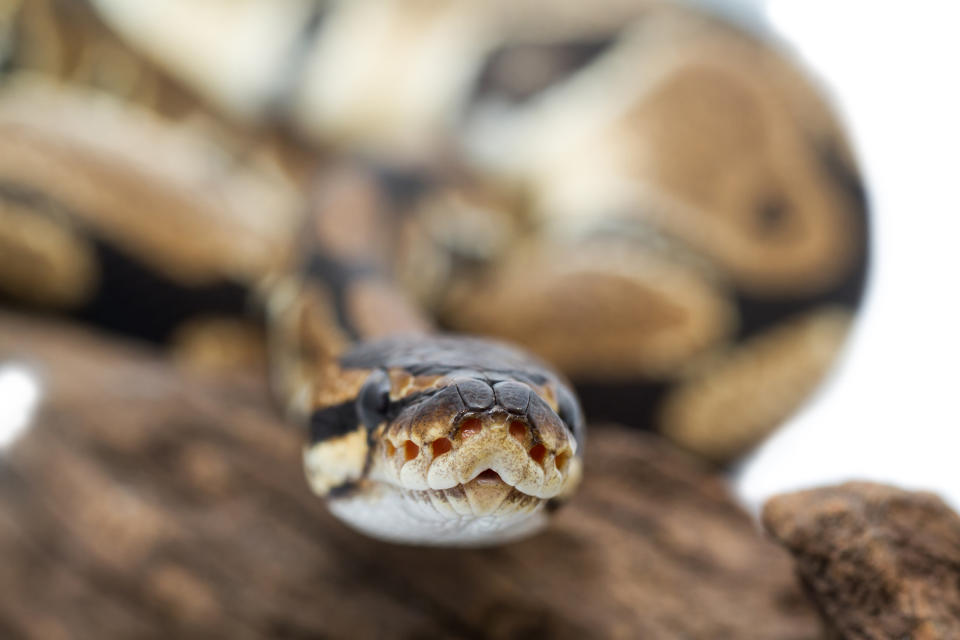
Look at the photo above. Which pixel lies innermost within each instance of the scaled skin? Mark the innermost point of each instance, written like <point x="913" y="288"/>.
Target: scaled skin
<point x="449" y="441"/>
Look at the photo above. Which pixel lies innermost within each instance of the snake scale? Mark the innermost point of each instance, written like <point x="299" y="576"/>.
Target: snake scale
<point x="643" y="199"/>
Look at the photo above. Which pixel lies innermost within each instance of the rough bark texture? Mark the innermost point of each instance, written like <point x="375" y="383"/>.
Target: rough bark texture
<point x="146" y="502"/>
<point x="879" y="562"/>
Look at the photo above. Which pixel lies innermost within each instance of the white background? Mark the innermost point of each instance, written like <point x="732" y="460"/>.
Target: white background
<point x="892" y="409"/>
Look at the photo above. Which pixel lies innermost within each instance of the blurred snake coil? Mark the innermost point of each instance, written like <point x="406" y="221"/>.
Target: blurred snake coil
<point x="442" y="222"/>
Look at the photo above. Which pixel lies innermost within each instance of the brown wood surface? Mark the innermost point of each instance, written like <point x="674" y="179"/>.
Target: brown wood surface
<point x="880" y="562"/>
<point x="148" y="502"/>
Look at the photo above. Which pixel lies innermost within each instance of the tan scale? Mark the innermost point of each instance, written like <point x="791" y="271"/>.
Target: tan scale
<point x="199" y="216"/>
<point x="219" y="345"/>
<point x="601" y="310"/>
<point x="737" y="398"/>
<point x="43" y="261"/>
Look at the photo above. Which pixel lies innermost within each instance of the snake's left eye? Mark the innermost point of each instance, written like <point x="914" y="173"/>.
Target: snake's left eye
<point x="374" y="399"/>
<point x="568" y="409"/>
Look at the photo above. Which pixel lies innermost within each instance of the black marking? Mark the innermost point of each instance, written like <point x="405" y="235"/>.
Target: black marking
<point x="760" y="314"/>
<point x="517" y="72"/>
<point x="634" y="403"/>
<point x="849" y="182"/>
<point x="344" y="489"/>
<point x="374" y="399"/>
<point x="553" y="504"/>
<point x="539" y="414"/>
<point x="513" y="396"/>
<point x="131" y="297"/>
<point x="334" y="421"/>
<point x="134" y="299"/>
<point x="403" y="187"/>
<point x="771" y="216"/>
<point x="568" y="410"/>
<point x="338" y="277"/>
<point x="445" y="404"/>
<point x="475" y="394"/>
<point x="8" y="43"/>
<point x="398" y="406"/>
<point x="291" y="75"/>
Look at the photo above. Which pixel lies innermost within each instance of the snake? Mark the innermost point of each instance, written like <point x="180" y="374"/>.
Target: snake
<point x="453" y="229"/>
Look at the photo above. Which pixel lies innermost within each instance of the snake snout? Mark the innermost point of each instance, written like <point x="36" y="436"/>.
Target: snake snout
<point x="477" y="433"/>
<point x="515" y="408"/>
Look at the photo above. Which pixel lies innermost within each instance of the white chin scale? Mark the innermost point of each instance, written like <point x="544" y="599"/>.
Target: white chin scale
<point x="397" y="516"/>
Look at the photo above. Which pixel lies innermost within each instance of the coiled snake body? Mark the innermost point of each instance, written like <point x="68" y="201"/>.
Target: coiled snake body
<point x="648" y="199"/>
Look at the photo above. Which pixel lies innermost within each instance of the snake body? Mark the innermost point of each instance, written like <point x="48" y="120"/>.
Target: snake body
<point x="414" y="435"/>
<point x="651" y="201"/>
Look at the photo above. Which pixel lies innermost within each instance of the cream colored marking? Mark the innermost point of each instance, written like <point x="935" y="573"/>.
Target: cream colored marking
<point x="241" y="46"/>
<point x="388" y="76"/>
<point x="332" y="462"/>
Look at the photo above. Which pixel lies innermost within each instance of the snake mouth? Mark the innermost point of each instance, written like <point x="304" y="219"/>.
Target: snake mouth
<point x="488" y="475"/>
<point x="487" y="494"/>
<point x="484" y="452"/>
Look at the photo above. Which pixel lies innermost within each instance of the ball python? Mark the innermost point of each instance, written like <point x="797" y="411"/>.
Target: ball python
<point x="657" y="204"/>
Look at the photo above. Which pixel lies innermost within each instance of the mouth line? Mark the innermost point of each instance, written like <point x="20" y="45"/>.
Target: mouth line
<point x="488" y="476"/>
<point x="510" y="500"/>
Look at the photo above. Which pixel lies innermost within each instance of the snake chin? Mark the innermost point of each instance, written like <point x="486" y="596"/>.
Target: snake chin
<point x="485" y="495"/>
<point x="483" y="510"/>
<point x="478" y="513"/>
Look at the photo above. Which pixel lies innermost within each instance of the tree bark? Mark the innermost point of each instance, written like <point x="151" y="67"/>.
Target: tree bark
<point x="145" y="501"/>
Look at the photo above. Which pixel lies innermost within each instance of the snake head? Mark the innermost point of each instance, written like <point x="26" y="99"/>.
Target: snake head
<point x="453" y="441"/>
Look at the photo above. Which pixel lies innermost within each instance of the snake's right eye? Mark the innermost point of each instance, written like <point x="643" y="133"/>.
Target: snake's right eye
<point x="568" y="409"/>
<point x="374" y="399"/>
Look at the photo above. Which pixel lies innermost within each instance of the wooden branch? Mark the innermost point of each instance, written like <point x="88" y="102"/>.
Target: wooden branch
<point x="150" y="502"/>
<point x="880" y="562"/>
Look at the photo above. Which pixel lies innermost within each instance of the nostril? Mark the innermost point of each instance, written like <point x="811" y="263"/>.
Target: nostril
<point x="391" y="449"/>
<point x="440" y="446"/>
<point x="518" y="430"/>
<point x="470" y="427"/>
<point x="561" y="461"/>
<point x="538" y="452"/>
<point x="410" y="450"/>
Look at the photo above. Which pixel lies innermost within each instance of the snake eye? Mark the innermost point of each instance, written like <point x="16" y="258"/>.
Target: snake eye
<point x="568" y="408"/>
<point x="374" y="399"/>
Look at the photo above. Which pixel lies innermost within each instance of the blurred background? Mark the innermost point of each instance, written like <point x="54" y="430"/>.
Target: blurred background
<point x="888" y="411"/>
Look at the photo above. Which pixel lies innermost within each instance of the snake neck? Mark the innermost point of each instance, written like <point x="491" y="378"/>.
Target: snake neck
<point x="336" y="290"/>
